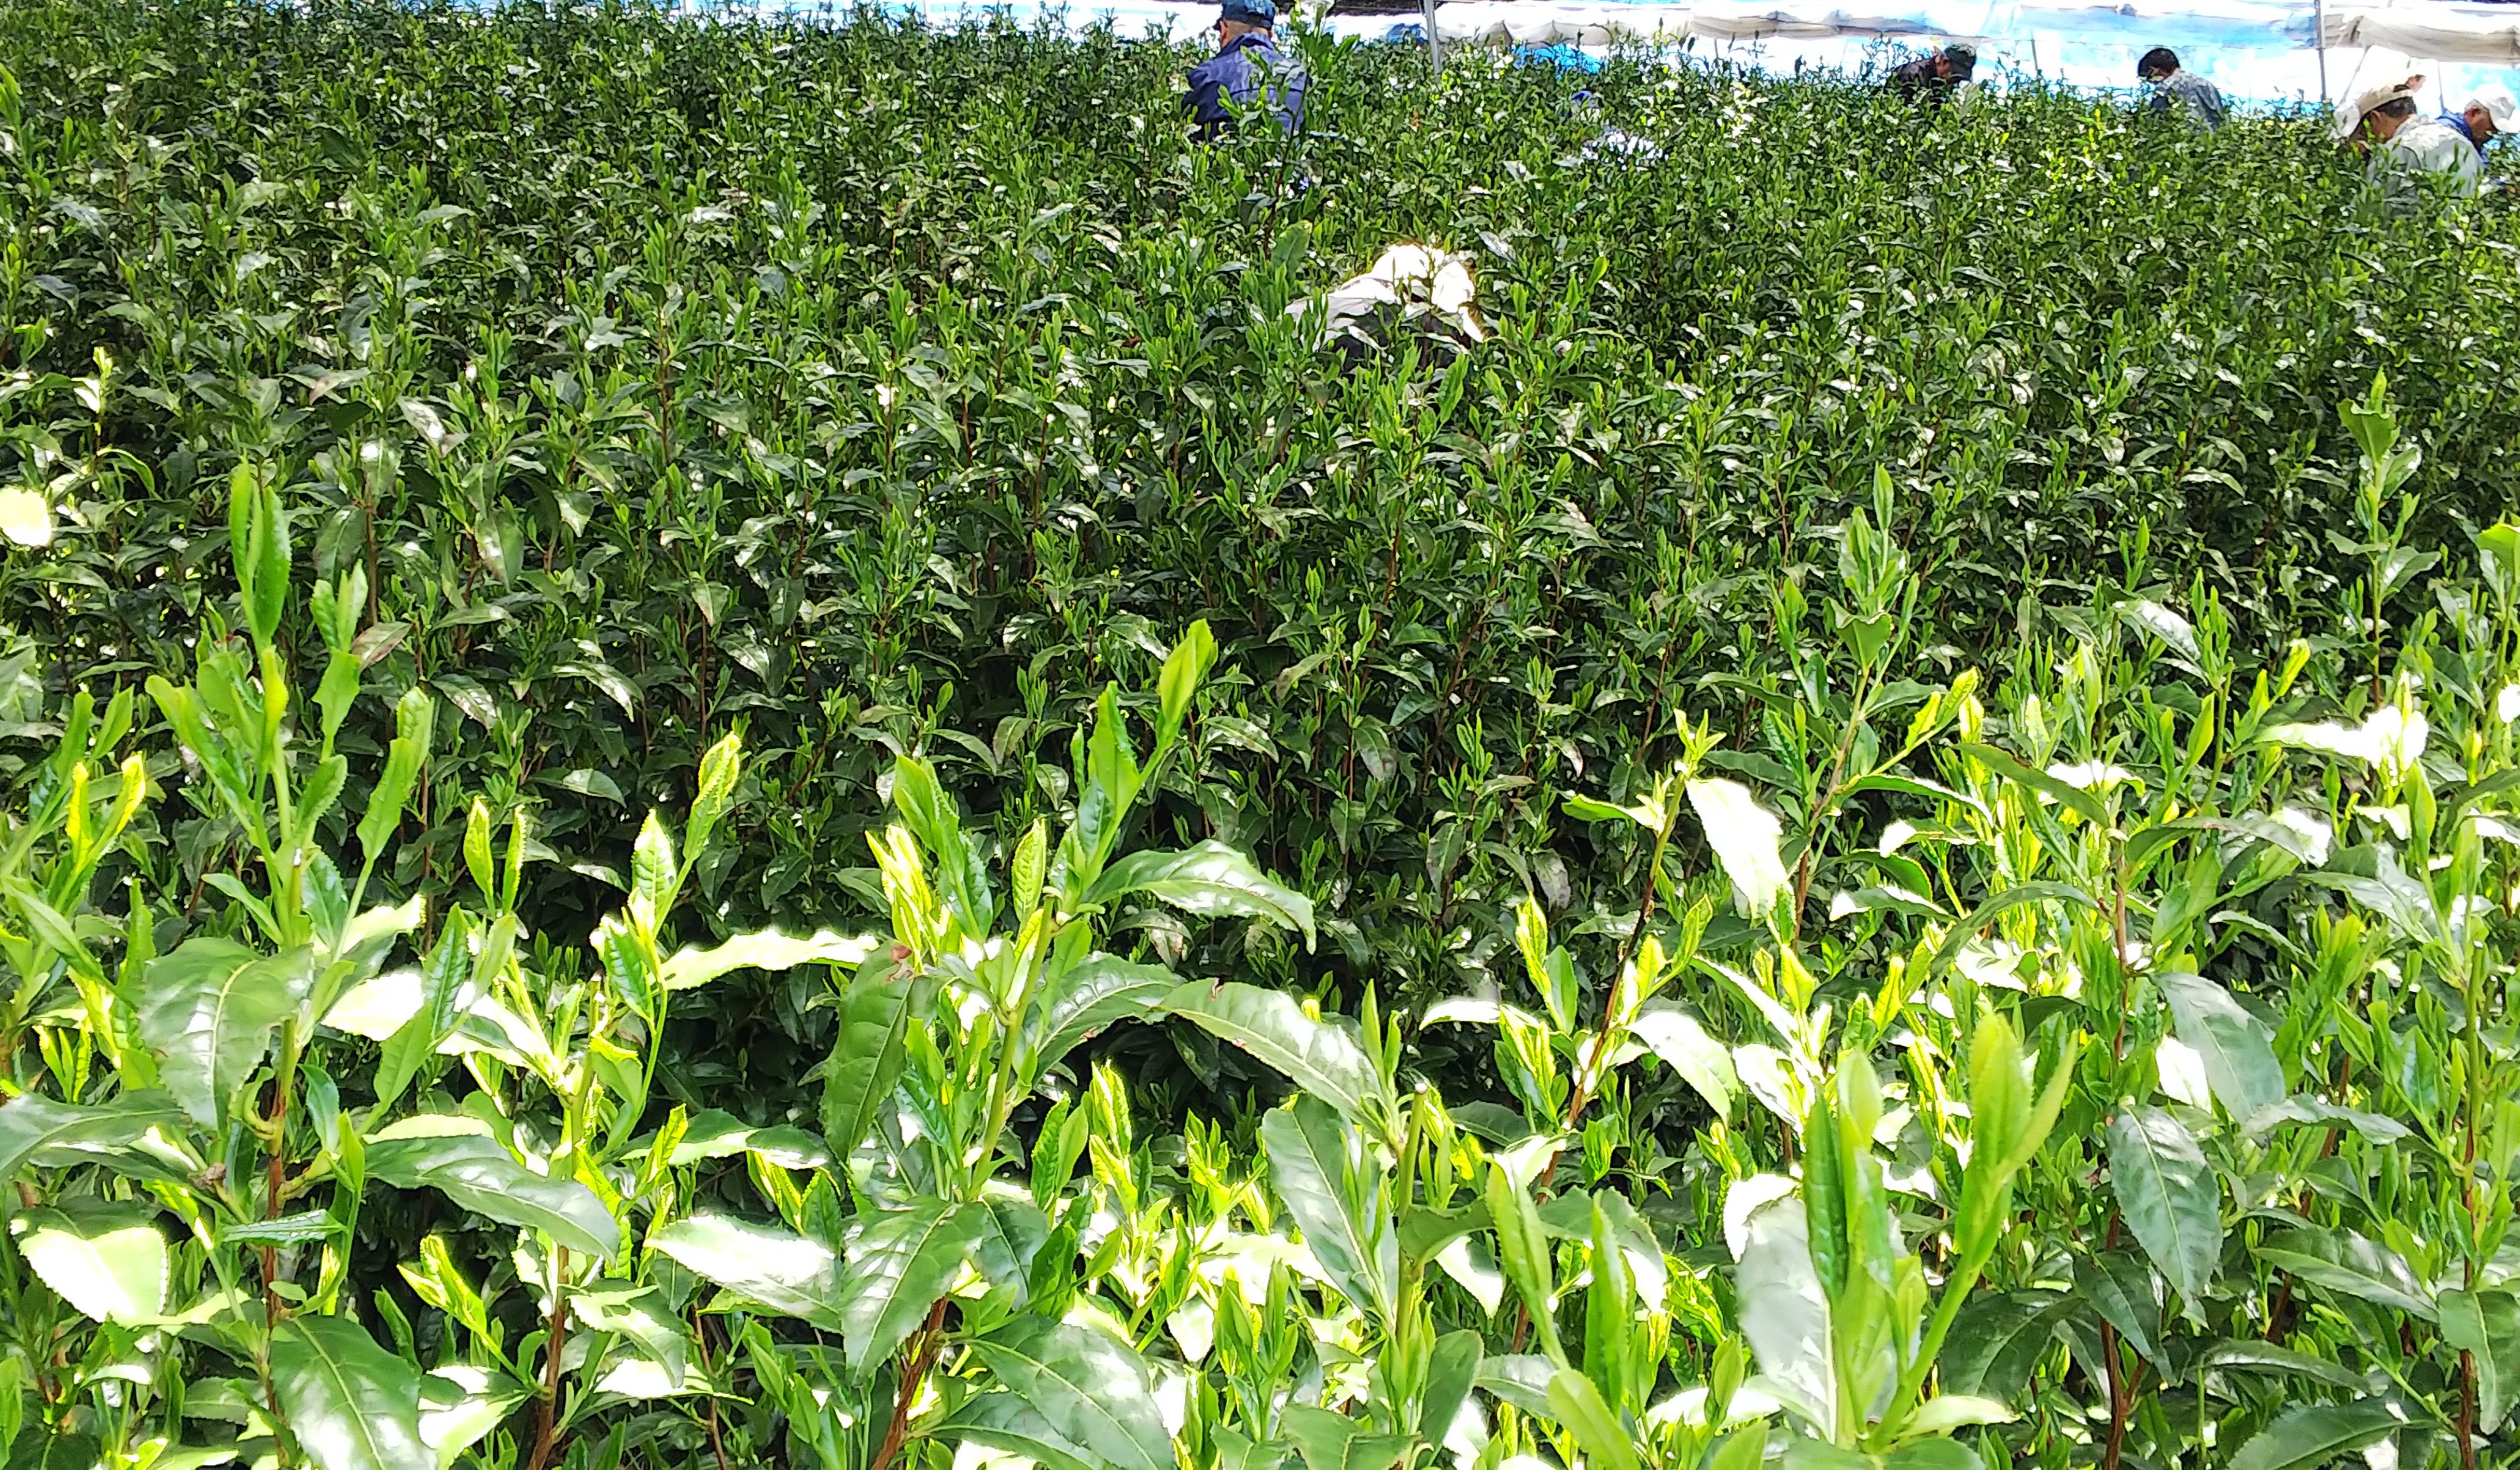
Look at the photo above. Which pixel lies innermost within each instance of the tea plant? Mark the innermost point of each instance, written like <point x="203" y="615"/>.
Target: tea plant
<point x="1880" y="833"/>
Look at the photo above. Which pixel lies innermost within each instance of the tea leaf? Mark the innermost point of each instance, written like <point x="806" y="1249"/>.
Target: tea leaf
<point x="352" y="1406"/>
<point x="2171" y="1197"/>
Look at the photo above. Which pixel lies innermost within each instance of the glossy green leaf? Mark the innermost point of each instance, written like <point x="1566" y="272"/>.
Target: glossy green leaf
<point x="1006" y="1423"/>
<point x="2310" y="1435"/>
<point x="1745" y="837"/>
<point x="866" y="1060"/>
<point x="443" y="973"/>
<point x="2253" y="1356"/>
<point x="780" y="1270"/>
<point x="351" y="1404"/>
<point x="2486" y="1325"/>
<point x="1095" y="993"/>
<point x="900" y="1262"/>
<point x="1212" y="880"/>
<point x="1933" y="1455"/>
<point x="1996" y="1342"/>
<point x="31" y="1124"/>
<point x="1321" y="1056"/>
<point x="714" y="1134"/>
<point x="473" y="1170"/>
<point x="2121" y="1286"/>
<point x="1520" y="1379"/>
<point x="765" y="950"/>
<point x="2085" y="803"/>
<point x="1452" y="1369"/>
<point x="2238" y="1048"/>
<point x="1323" y="1171"/>
<point x="1783" y="1311"/>
<point x="1091" y="1390"/>
<point x="107" y="1261"/>
<point x="2169" y="1194"/>
<point x="2349" y="1264"/>
<point x="210" y="1010"/>
<point x="1683" y="1045"/>
<point x="1329" y="1441"/>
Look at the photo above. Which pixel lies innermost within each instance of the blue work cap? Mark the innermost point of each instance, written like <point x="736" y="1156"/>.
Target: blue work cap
<point x="1249" y="11"/>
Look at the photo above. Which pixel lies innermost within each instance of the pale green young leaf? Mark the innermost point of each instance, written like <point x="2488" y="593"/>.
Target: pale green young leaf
<point x="720" y="768"/>
<point x="477" y="849"/>
<point x="1522" y="1246"/>
<point x="1578" y="1405"/>
<point x="1184" y="668"/>
<point x="414" y="718"/>
<point x="653" y="875"/>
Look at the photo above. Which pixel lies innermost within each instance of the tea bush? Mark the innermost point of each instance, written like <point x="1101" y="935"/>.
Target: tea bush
<point x="1883" y="832"/>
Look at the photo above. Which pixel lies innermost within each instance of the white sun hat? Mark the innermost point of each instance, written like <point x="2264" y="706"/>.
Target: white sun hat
<point x="2372" y="95"/>
<point x="2498" y="106"/>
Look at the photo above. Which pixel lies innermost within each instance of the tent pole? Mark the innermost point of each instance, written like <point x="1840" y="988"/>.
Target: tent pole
<point x="2319" y="19"/>
<point x="1435" y="42"/>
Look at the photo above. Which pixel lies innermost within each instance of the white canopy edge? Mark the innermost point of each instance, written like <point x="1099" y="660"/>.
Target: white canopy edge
<point x="2480" y="34"/>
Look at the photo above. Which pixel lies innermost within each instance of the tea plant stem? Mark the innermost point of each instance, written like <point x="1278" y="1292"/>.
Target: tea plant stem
<point x="276" y="1165"/>
<point x="1855" y="719"/>
<point x="931" y="1338"/>
<point x="551" y="1360"/>
<point x="2119" y="1398"/>
<point x="2466" y="1409"/>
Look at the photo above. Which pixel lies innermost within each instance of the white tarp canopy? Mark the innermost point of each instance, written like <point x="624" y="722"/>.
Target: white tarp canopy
<point x="2421" y="28"/>
<point x="2254" y="49"/>
<point x="2485" y="33"/>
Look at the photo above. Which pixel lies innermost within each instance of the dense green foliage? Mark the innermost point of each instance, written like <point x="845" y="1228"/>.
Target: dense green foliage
<point x="725" y="750"/>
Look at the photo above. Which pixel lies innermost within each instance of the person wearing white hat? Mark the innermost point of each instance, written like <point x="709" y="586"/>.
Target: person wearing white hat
<point x="2383" y="124"/>
<point x="2488" y="115"/>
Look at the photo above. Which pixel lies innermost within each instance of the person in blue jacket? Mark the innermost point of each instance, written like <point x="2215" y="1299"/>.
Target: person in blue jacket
<point x="1247" y="66"/>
